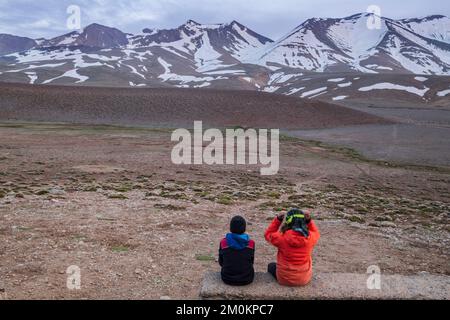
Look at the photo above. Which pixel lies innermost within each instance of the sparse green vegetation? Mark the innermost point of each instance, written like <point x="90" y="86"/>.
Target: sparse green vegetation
<point x="357" y="219"/>
<point x="225" y="200"/>
<point x="120" y="248"/>
<point x="24" y="229"/>
<point x="205" y="257"/>
<point x="274" y="195"/>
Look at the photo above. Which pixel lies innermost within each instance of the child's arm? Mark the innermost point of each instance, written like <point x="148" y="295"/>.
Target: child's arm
<point x="314" y="234"/>
<point x="220" y="256"/>
<point x="272" y="234"/>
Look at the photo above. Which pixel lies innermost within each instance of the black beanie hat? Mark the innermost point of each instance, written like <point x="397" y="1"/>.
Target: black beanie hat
<point x="238" y="225"/>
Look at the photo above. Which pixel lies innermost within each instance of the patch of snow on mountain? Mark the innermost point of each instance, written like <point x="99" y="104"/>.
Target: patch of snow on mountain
<point x="134" y="70"/>
<point x="391" y="86"/>
<point x="38" y="55"/>
<point x="203" y="85"/>
<point x="295" y="90"/>
<point x="33" y="77"/>
<point x="101" y="57"/>
<point x="443" y="93"/>
<point x="234" y="72"/>
<point x="47" y="65"/>
<point x="70" y="74"/>
<point x="33" y="56"/>
<point x="80" y="63"/>
<point x="140" y="55"/>
<point x="280" y="77"/>
<point x="344" y="85"/>
<point x="336" y="80"/>
<point x="132" y="84"/>
<point x="313" y="92"/>
<point x="168" y="75"/>
<point x="69" y="40"/>
<point x="206" y="57"/>
<point x="375" y="66"/>
<point x="173" y="50"/>
<point x="32" y="66"/>
<point x="271" y="89"/>
<point x="340" y="98"/>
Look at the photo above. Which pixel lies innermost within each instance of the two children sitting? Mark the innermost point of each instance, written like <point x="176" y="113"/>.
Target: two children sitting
<point x="294" y="234"/>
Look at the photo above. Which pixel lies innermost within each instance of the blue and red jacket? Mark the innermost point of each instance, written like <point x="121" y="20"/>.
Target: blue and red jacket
<point x="236" y="257"/>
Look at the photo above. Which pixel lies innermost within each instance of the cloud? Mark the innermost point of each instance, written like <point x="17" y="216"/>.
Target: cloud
<point x="40" y="24"/>
<point x="272" y="18"/>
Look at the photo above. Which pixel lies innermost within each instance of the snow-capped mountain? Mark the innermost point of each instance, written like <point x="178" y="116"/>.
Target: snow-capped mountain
<point x="434" y="27"/>
<point x="94" y="35"/>
<point x="230" y="55"/>
<point x="192" y="55"/>
<point x="231" y="37"/>
<point x="417" y="46"/>
<point x="209" y="45"/>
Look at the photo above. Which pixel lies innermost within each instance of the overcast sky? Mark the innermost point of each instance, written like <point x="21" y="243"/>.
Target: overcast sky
<point x="272" y="18"/>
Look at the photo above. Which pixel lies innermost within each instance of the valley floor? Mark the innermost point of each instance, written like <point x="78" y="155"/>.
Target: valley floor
<point x="109" y="200"/>
<point x="417" y="135"/>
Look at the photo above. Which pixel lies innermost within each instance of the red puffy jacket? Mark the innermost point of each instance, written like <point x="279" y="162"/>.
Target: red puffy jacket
<point x="294" y="261"/>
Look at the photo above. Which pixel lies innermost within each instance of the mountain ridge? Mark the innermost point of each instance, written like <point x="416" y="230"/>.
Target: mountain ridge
<point x="231" y="55"/>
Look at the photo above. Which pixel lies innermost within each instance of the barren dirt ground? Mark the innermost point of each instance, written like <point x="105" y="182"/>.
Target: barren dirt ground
<point x="110" y="201"/>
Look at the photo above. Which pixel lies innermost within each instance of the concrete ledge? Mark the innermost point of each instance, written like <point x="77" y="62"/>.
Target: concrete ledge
<point x="335" y="286"/>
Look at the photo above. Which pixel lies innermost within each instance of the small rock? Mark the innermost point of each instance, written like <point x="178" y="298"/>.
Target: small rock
<point x="388" y="224"/>
<point x="139" y="271"/>
<point x="56" y="191"/>
<point x="165" y="298"/>
<point x="238" y="194"/>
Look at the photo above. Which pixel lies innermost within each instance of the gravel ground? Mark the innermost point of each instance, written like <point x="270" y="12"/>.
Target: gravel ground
<point x="109" y="200"/>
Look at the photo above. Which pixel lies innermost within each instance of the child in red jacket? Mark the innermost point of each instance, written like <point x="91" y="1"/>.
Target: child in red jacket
<point x="295" y="241"/>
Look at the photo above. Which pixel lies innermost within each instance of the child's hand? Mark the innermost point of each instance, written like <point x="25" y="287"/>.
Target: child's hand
<point x="280" y="216"/>
<point x="308" y="216"/>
